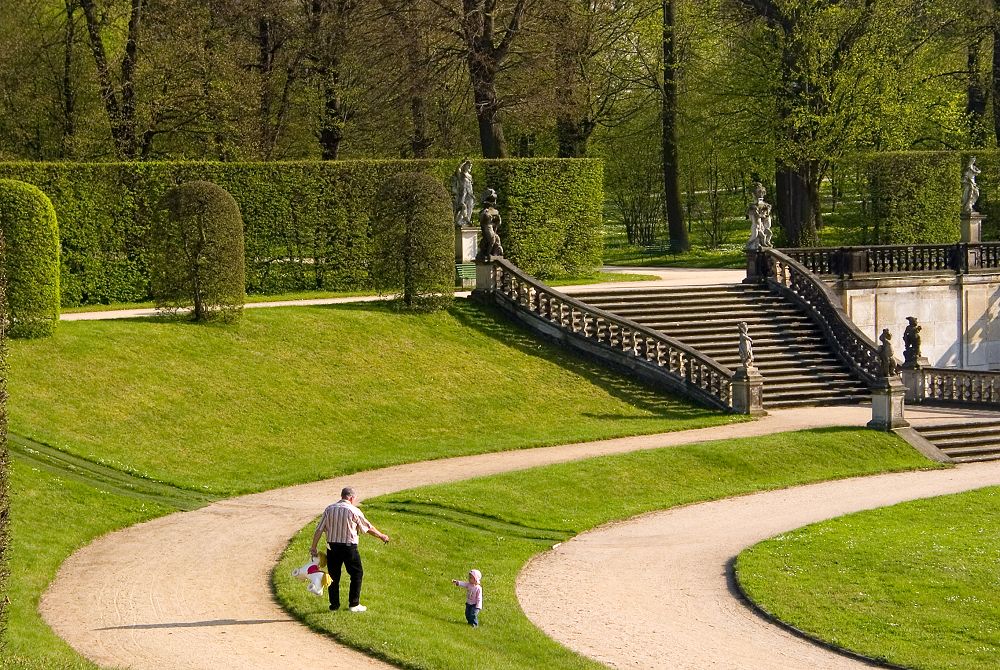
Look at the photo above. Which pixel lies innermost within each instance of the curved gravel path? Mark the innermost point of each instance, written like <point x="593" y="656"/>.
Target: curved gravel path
<point x="192" y="589"/>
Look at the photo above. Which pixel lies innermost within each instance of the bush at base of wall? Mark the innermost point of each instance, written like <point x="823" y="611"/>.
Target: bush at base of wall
<point x="307" y="224"/>
<point x="30" y="259"/>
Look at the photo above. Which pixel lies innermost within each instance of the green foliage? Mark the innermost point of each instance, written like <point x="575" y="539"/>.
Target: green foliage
<point x="916" y="197"/>
<point x="4" y="472"/>
<point x="413" y="240"/>
<point x="551" y="213"/>
<point x="307" y="224"/>
<point x="198" y="252"/>
<point x="31" y="259"/>
<point x="914" y="584"/>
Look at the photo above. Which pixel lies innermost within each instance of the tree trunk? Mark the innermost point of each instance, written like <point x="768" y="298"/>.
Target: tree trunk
<point x="265" y="64"/>
<point x="331" y="132"/>
<point x="678" y="233"/>
<point x="797" y="202"/>
<point x="491" y="137"/>
<point x="978" y="95"/>
<point x="421" y="141"/>
<point x="68" y="92"/>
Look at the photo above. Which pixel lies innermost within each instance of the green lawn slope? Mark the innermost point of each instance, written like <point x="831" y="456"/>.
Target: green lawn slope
<point x="916" y="584"/>
<point x="415" y="617"/>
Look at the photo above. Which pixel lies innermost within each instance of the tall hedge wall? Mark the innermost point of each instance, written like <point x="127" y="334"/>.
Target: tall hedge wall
<point x="916" y="197"/>
<point x="307" y="224"/>
<point x="30" y="260"/>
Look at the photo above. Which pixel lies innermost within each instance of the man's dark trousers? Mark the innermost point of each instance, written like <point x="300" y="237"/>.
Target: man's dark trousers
<point x="348" y="556"/>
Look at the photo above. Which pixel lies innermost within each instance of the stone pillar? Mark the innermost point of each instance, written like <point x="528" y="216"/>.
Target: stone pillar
<point x="972" y="227"/>
<point x="756" y="267"/>
<point x="466" y="244"/>
<point x="913" y="380"/>
<point x="887" y="405"/>
<point x="748" y="391"/>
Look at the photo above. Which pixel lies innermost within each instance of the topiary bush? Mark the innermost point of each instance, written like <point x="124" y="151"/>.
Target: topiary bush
<point x="198" y="254"/>
<point x="413" y="238"/>
<point x="31" y="259"/>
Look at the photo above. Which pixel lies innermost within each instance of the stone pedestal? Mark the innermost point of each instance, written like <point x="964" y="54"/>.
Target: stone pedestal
<point x="466" y="244"/>
<point x="748" y="392"/>
<point x="484" y="278"/>
<point x="913" y="380"/>
<point x="887" y="405"/>
<point x="756" y="267"/>
<point x="972" y="227"/>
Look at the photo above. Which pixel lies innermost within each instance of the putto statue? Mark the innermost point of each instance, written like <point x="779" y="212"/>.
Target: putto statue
<point x="746" y="346"/>
<point x="759" y="214"/>
<point x="911" y="344"/>
<point x="463" y="195"/>
<point x="489" y="223"/>
<point x="970" y="190"/>
<point x="886" y="359"/>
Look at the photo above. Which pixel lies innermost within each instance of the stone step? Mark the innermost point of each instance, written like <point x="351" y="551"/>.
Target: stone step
<point x="966" y="442"/>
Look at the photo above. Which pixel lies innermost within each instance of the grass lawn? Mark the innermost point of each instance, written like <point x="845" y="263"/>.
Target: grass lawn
<point x="915" y="584"/>
<point x="305" y="393"/>
<point x="52" y="516"/>
<point x="497" y="523"/>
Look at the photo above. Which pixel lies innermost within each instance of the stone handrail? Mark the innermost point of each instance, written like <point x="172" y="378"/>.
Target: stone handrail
<point x="847" y="261"/>
<point x="795" y="281"/>
<point x="966" y="387"/>
<point x="612" y="337"/>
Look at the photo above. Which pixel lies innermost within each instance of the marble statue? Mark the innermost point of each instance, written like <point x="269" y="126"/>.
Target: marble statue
<point x="759" y="214"/>
<point x="886" y="359"/>
<point x="463" y="196"/>
<point x="489" y="223"/>
<point x="746" y="346"/>
<point x="970" y="190"/>
<point x="911" y="344"/>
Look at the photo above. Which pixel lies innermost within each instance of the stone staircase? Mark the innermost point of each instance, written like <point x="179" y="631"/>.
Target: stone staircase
<point x="795" y="361"/>
<point x="965" y="442"/>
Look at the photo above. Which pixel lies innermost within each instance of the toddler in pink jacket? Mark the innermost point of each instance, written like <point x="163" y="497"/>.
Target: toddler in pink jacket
<point x="473" y="596"/>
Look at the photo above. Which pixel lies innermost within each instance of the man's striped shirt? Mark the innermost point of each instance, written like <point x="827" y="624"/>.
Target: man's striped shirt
<point x="343" y="522"/>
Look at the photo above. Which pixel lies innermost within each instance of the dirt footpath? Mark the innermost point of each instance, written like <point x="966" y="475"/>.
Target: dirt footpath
<point x="192" y="590"/>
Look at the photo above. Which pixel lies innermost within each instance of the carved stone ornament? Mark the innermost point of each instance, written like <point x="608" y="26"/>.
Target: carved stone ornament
<point x="489" y="223"/>
<point x="746" y="346"/>
<point x="886" y="359"/>
<point x="463" y="195"/>
<point x="970" y="190"/>
<point x="911" y="344"/>
<point x="759" y="215"/>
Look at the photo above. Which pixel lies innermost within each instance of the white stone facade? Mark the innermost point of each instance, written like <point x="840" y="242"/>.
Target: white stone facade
<point x="957" y="314"/>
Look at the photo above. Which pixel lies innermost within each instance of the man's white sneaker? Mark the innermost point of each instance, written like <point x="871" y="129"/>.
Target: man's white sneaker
<point x="358" y="608"/>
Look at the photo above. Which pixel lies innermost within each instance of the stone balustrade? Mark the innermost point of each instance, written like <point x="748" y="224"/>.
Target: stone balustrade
<point x="911" y="258"/>
<point x="655" y="356"/>
<point x="947" y="385"/>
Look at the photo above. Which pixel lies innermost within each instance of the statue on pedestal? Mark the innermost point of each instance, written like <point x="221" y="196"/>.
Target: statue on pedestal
<point x="463" y="196"/>
<point x="759" y="214"/>
<point x="911" y="344"/>
<point x="886" y="359"/>
<point x="970" y="190"/>
<point x="489" y="223"/>
<point x="746" y="346"/>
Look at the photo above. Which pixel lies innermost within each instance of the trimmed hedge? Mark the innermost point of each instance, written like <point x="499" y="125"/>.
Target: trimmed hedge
<point x="414" y="241"/>
<point x="30" y="260"/>
<point x="307" y="224"/>
<point x="916" y="197"/>
<point x="198" y="253"/>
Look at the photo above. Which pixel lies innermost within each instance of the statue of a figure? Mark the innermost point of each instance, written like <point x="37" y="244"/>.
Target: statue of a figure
<point x="886" y="360"/>
<point x="911" y="344"/>
<point x="746" y="346"/>
<point x="463" y="196"/>
<point x="489" y="223"/>
<point x="970" y="190"/>
<point x="759" y="214"/>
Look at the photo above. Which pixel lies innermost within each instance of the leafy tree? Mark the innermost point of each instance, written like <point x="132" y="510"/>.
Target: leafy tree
<point x="199" y="257"/>
<point x="414" y="240"/>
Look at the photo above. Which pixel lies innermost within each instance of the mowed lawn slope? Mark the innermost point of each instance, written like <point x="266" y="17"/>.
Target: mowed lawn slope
<point x="916" y="584"/>
<point x="298" y="394"/>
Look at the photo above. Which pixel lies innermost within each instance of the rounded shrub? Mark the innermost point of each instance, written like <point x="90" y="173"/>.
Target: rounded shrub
<point x="413" y="239"/>
<point x="30" y="259"/>
<point x="198" y="257"/>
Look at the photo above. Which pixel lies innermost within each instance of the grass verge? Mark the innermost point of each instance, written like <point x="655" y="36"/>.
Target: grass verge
<point x="498" y="523"/>
<point x="305" y="393"/>
<point x="915" y="584"/>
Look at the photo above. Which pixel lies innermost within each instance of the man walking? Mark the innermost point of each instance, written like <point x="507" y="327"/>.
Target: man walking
<point x="343" y="522"/>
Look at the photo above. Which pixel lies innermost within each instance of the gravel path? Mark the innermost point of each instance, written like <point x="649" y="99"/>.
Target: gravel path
<point x="192" y="589"/>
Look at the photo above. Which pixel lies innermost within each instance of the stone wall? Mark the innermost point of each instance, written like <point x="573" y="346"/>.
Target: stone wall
<point x="957" y="314"/>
